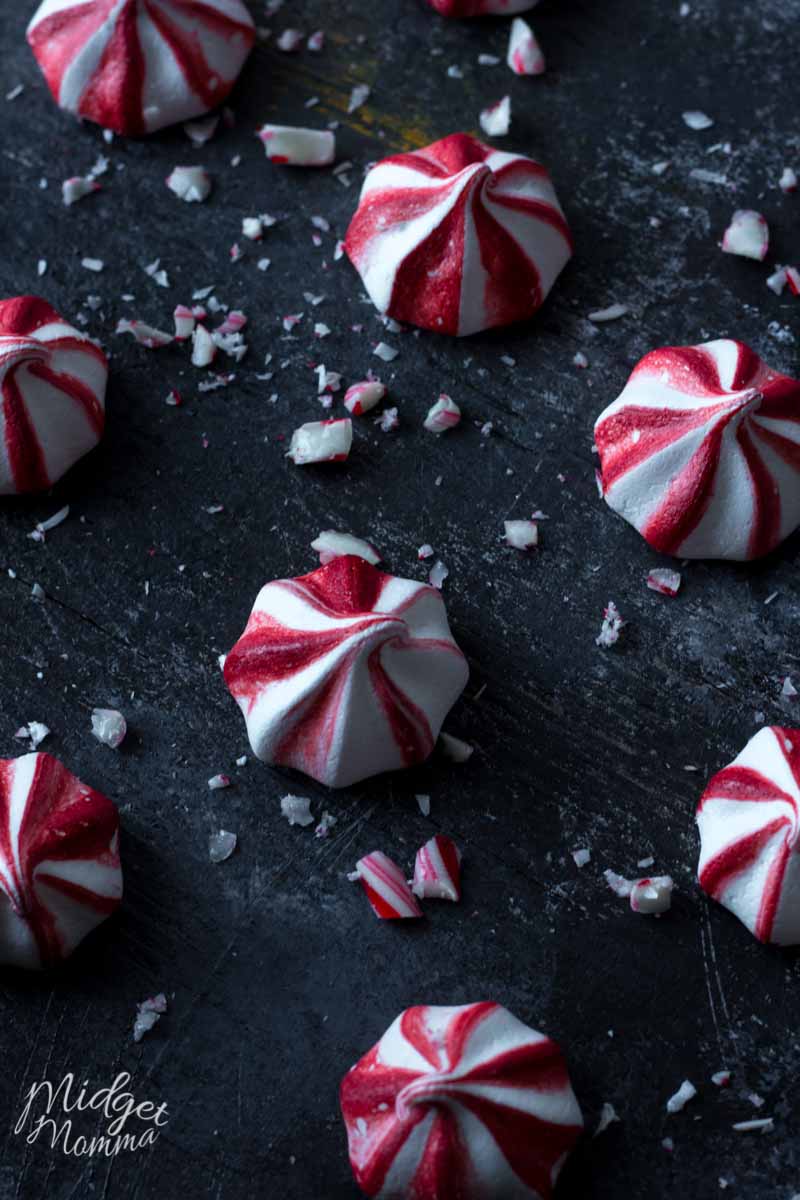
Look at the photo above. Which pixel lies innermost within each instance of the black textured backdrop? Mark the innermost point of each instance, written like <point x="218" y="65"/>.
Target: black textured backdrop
<point x="278" y="974"/>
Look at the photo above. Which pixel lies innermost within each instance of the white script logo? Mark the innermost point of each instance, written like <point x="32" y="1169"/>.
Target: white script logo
<point x="49" y="1112"/>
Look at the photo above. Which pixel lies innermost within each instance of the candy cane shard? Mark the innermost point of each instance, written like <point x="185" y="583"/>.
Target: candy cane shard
<point x="437" y="870"/>
<point x="293" y="147"/>
<point x="525" y="55"/>
<point x="386" y="888"/>
<point x="749" y="823"/>
<point x="321" y="441"/>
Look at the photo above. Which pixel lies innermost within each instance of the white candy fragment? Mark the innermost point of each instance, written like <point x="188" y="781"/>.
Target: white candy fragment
<point x="326" y="824"/>
<point x="788" y="690"/>
<point x="221" y="845"/>
<point x="424" y="805"/>
<point x="77" y="187"/>
<point x="358" y="96"/>
<point x="144" y="334"/>
<point x="608" y="1114"/>
<point x="39" y="534"/>
<point x="665" y="581"/>
<point x="788" y="180"/>
<point x="297" y="810"/>
<point x="762" y="1125"/>
<point x="454" y="749"/>
<point x="443" y="415"/>
<point x="203" y="347"/>
<point x="697" y="120"/>
<point x="316" y="42"/>
<point x="361" y="397"/>
<point x="290" y="40"/>
<point x="192" y="184"/>
<point x="612" y="313"/>
<point x="747" y="235"/>
<point x="217" y="782"/>
<point x="521" y="535"/>
<point x="582" y="857"/>
<point x="329" y="545"/>
<point x="295" y="147"/>
<point x="388" y="420"/>
<point x="202" y="131"/>
<point x="793" y="280"/>
<point x="777" y="281"/>
<point x="148" y="1014"/>
<point x="109" y="726"/>
<point x="184" y="323"/>
<point x="321" y="441"/>
<point x="721" y="1078"/>
<point x="385" y="352"/>
<point x="34" y="732"/>
<point x="611" y="627"/>
<point x="496" y="119"/>
<point x="650" y="895"/>
<point x="686" y="1092"/>
<point x="437" y="575"/>
<point x="525" y="55"/>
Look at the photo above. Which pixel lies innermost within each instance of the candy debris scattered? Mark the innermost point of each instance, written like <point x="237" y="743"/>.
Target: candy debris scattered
<point x="218" y="782"/>
<point x="686" y="1092"/>
<point x="386" y="888"/>
<point x="192" y="184"/>
<point x="34" y="732"/>
<point x="144" y="334"/>
<point x="321" y="441"/>
<point x="665" y="581"/>
<point x="443" y="415"/>
<point x="362" y="397"/>
<point x="329" y="545"/>
<point x="521" y="535"/>
<point x="109" y="726"/>
<point x="297" y="810"/>
<point x="495" y="121"/>
<point x="437" y="869"/>
<point x="295" y="147"/>
<point x="454" y="749"/>
<point x="747" y="235"/>
<point x="601" y="316"/>
<point x="697" y="120"/>
<point x="612" y="626"/>
<point x="649" y="895"/>
<point x="148" y="1014"/>
<point x="221" y="845"/>
<point x="525" y="55"/>
<point x="788" y="180"/>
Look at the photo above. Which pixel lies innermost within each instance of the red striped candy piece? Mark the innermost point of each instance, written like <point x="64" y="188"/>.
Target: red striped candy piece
<point x="458" y="237"/>
<point x="701" y="452"/>
<point x="137" y="65"/>
<point x="52" y="395"/>
<point x="60" y="872"/>
<point x="386" y="887"/>
<point x="437" y="870"/>
<point x="749" y="822"/>
<point x="346" y="672"/>
<point x="460" y="1104"/>
<point x="481" y="8"/>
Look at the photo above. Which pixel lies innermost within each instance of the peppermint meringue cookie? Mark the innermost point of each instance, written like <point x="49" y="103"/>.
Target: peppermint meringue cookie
<point x="460" y="1104"/>
<point x="458" y="237"/>
<point x="134" y="66"/>
<point x="60" y="873"/>
<point x="701" y="452"/>
<point x="749" y="822"/>
<point x="481" y="8"/>
<point x="346" y="672"/>
<point x="52" y="395"/>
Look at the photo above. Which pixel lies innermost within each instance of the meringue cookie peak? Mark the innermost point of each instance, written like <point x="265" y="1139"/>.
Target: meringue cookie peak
<point x="346" y="672"/>
<point x="701" y="452"/>
<point x="458" y="237"/>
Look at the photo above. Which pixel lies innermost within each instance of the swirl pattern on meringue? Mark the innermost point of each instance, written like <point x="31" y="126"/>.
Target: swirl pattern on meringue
<point x="458" y="237"/>
<point x="701" y="452"/>
<point x="52" y="395"/>
<point x="346" y="672"/>
<point x="749" y="822"/>
<point x="134" y="66"/>
<point x="60" y="872"/>
<point x="460" y="1103"/>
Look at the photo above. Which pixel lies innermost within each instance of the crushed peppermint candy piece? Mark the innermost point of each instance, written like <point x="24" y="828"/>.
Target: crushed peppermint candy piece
<point x="788" y="180"/>
<point x="316" y="42"/>
<point x="612" y="626"/>
<point x="144" y="334"/>
<point x="525" y="55"/>
<point x="437" y="869"/>
<point x="43" y="527"/>
<point x="608" y="1115"/>
<point x="326" y="824"/>
<point x="290" y="320"/>
<point x="384" y="352"/>
<point x="217" y="782"/>
<point x="221" y="845"/>
<point x="202" y="131"/>
<point x="361" y="397"/>
<point x="612" y="313"/>
<point x="443" y="415"/>
<point x="184" y="323"/>
<point x="385" y="885"/>
<point x="388" y="420"/>
<point x="148" y="1014"/>
<point x="788" y="690"/>
<point x="425" y="551"/>
<point x="192" y="184"/>
<point x="581" y="857"/>
<point x="697" y="120"/>
<point x="721" y="1078"/>
<point x="793" y="280"/>
<point x="424" y="805"/>
<point x="294" y="147"/>
<point x="650" y="895"/>
<point x="521" y="535"/>
<point x="762" y="1125"/>
<point x="297" y="810"/>
<point x="747" y="235"/>
<point x="290" y="40"/>
<point x="580" y="360"/>
<point x="454" y="749"/>
<point x="664" y="580"/>
<point x="437" y="574"/>
<point x="204" y="349"/>
<point x="329" y="545"/>
<point x="686" y="1092"/>
<point x="157" y="273"/>
<point x="358" y="96"/>
<point x="34" y="732"/>
<point x="76" y="188"/>
<point x="321" y="441"/>
<point x="495" y="120"/>
<point x="777" y="281"/>
<point x="93" y="264"/>
<point x="109" y="727"/>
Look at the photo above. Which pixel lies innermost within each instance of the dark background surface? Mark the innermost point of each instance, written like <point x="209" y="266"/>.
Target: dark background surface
<point x="279" y="976"/>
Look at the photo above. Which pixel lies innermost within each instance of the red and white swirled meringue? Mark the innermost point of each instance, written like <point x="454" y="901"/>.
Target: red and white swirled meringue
<point x="52" y="395"/>
<point x="60" y="873"/>
<point x="386" y="888"/>
<point x="134" y="66"/>
<point x="481" y="8"/>
<point x="346" y="672"/>
<point x="460" y="1104"/>
<point x="701" y="452"/>
<point x="437" y="870"/>
<point x="458" y="237"/>
<point x="749" y="822"/>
